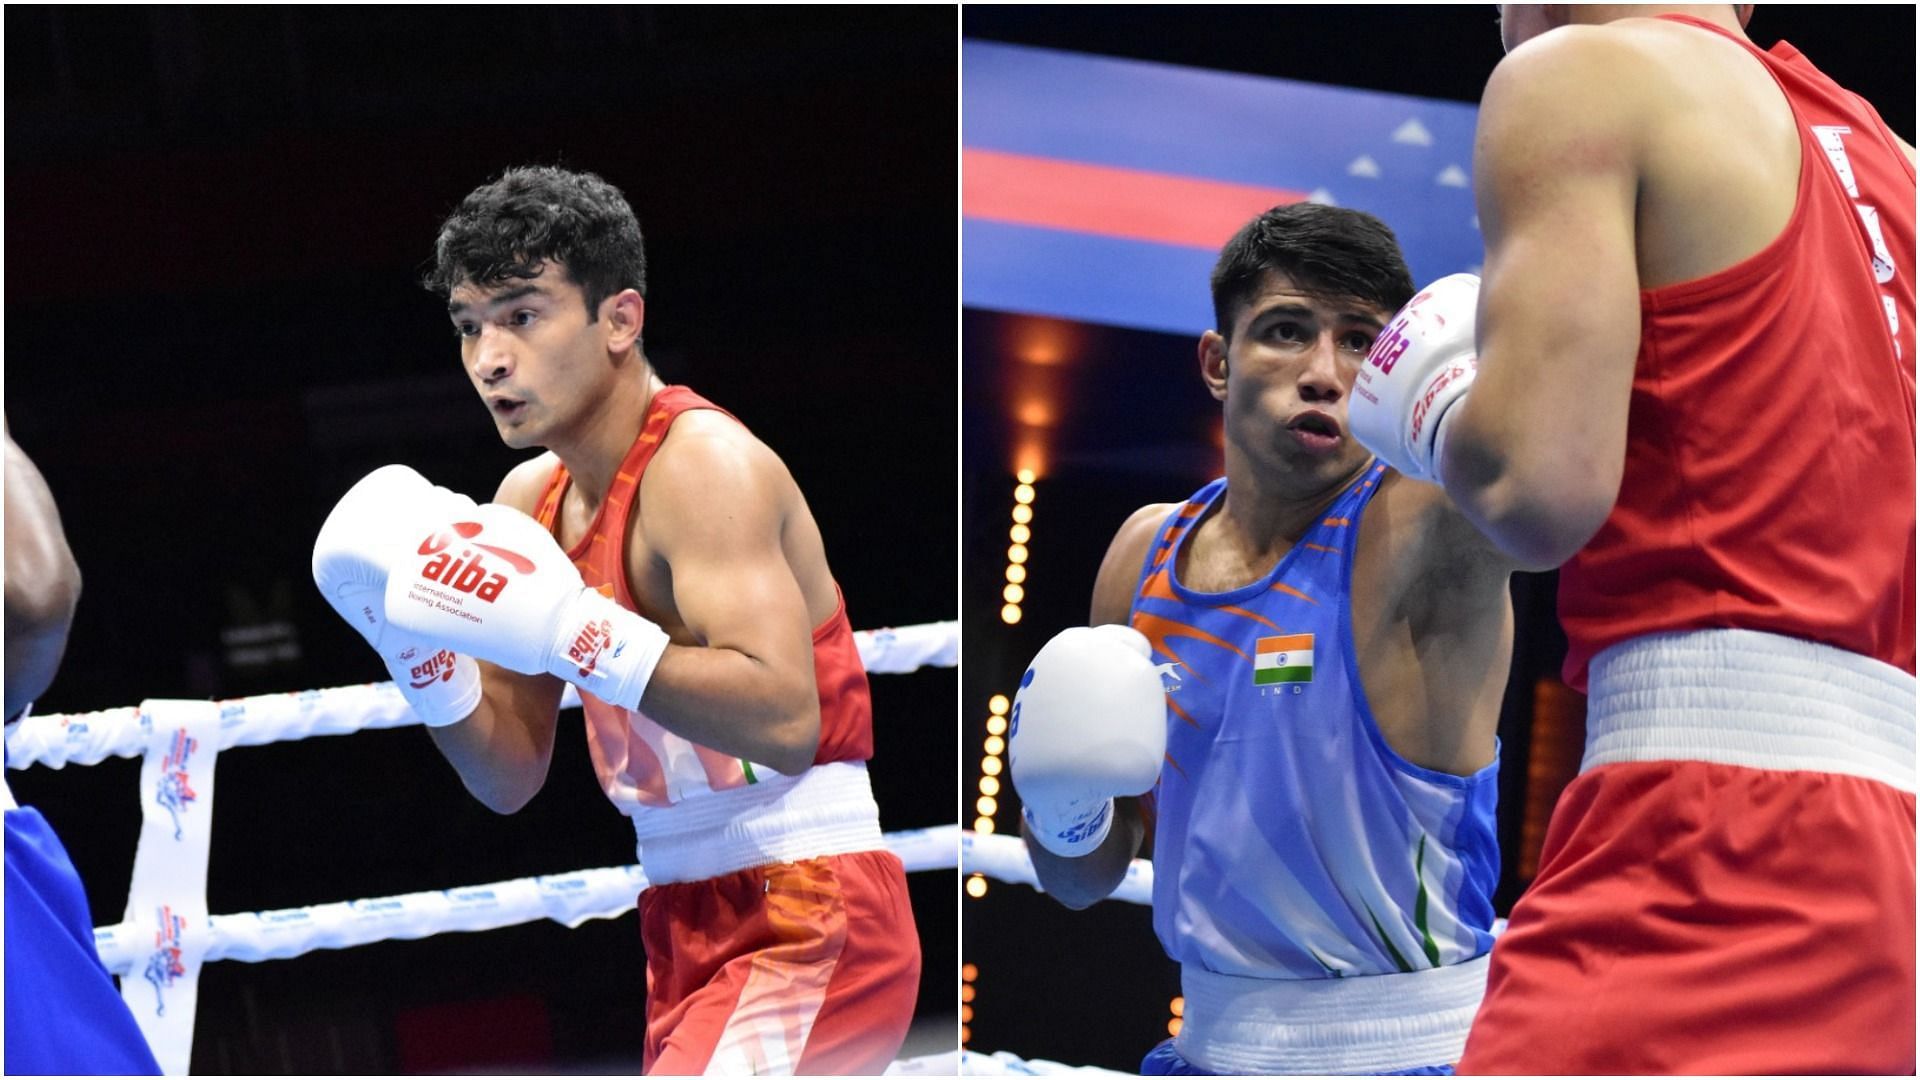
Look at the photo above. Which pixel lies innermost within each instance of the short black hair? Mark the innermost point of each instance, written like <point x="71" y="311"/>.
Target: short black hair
<point x="511" y="228"/>
<point x="1328" y="250"/>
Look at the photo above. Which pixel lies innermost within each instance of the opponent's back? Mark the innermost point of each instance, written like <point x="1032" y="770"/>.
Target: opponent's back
<point x="1770" y="447"/>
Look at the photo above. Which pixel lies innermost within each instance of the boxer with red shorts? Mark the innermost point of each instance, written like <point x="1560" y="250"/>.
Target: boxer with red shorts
<point x="661" y="559"/>
<point x="1695" y="387"/>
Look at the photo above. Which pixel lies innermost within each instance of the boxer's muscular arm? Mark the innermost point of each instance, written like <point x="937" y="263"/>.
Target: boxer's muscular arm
<point x="502" y="750"/>
<point x="42" y="582"/>
<point x="1536" y="456"/>
<point x="1082" y="882"/>
<point x="712" y="507"/>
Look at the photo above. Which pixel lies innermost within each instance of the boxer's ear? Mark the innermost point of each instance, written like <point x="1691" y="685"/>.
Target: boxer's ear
<point x="625" y="313"/>
<point x="1212" y="354"/>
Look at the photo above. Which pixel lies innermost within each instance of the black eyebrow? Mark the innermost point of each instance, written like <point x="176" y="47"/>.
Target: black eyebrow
<point x="455" y="307"/>
<point x="1293" y="310"/>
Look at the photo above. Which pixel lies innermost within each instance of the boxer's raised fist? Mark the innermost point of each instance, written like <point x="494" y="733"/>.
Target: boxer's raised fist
<point x="1089" y="723"/>
<point x="1419" y="368"/>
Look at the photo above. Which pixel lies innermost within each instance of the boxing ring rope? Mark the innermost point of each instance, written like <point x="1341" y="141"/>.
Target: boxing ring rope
<point x="57" y="740"/>
<point x="168" y="934"/>
<point x="570" y="899"/>
<point x="1005" y="858"/>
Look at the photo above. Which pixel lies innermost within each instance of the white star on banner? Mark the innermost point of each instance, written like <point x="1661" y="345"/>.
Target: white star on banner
<point x="1413" y="133"/>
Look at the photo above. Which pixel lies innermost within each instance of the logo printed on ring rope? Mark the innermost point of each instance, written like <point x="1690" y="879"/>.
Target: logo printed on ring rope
<point x="164" y="965"/>
<point x="175" y="788"/>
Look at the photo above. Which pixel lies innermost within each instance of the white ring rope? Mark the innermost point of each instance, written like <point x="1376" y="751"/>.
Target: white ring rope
<point x="569" y="899"/>
<point x="56" y="740"/>
<point x="167" y="933"/>
<point x="1005" y="858"/>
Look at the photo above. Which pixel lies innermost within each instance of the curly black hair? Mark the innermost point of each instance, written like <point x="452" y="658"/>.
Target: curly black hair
<point x="511" y="228"/>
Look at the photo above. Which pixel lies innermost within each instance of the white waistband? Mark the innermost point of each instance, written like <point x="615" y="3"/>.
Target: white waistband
<point x="1741" y="697"/>
<point x="827" y="810"/>
<point x="1359" y="1024"/>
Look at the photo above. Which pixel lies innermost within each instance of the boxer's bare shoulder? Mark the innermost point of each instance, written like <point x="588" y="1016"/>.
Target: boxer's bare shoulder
<point x="711" y="468"/>
<point x="1120" y="568"/>
<point x="714" y="495"/>
<point x="1683" y="120"/>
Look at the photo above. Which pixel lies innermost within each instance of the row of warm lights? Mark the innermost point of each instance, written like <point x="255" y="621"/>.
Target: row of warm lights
<point x="1022" y="531"/>
<point x="992" y="761"/>
<point x="968" y="973"/>
<point x="1179" y="1009"/>
<point x="991" y="766"/>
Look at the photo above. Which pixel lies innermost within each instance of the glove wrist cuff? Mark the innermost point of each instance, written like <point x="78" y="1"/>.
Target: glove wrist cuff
<point x="605" y="650"/>
<point x="442" y="688"/>
<point x="1077" y="831"/>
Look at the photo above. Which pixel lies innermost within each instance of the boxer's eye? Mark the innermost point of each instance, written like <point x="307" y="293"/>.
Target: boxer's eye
<point x="1358" y="342"/>
<point x="464" y="329"/>
<point x="523" y="318"/>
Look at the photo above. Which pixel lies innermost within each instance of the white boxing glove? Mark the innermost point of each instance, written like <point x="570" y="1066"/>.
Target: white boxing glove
<point x="350" y="563"/>
<point x="493" y="583"/>
<point x="1089" y="723"/>
<point x="1419" y="368"/>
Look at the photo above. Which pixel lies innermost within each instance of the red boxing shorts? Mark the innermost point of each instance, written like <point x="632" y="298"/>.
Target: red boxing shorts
<point x="1707" y="901"/>
<point x="801" y="967"/>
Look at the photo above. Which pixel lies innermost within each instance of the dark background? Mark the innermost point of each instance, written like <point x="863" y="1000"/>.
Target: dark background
<point x="215" y="219"/>
<point x="1094" y="987"/>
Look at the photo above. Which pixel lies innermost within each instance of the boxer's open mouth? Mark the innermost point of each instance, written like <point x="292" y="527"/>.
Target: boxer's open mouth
<point x="1316" y="431"/>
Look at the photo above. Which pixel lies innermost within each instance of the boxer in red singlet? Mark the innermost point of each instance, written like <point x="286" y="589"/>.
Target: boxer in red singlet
<point x="663" y="560"/>
<point x="1696" y="389"/>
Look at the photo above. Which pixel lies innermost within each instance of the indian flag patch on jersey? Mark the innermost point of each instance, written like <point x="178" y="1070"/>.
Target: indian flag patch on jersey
<point x="1284" y="659"/>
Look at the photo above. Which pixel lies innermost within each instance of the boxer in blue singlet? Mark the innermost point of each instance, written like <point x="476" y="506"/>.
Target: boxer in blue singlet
<point x="63" y="1015"/>
<point x="1334" y="640"/>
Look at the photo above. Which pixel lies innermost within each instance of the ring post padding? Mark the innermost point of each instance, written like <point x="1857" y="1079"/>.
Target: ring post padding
<point x="167" y="902"/>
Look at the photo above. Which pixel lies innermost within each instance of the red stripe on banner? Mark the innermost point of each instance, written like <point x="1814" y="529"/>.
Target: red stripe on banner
<point x="1106" y="201"/>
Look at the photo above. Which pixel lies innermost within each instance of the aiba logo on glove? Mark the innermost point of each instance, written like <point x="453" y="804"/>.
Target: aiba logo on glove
<point x="438" y="668"/>
<point x="468" y="572"/>
<point x="1392" y="345"/>
<point x="588" y="645"/>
